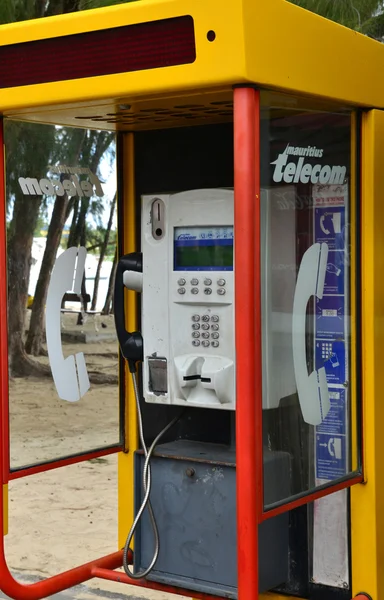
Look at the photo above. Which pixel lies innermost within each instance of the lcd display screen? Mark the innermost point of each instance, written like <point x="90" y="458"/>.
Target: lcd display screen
<point x="203" y="248"/>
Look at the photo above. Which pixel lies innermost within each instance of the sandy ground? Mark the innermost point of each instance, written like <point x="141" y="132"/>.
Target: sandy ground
<point x="68" y="516"/>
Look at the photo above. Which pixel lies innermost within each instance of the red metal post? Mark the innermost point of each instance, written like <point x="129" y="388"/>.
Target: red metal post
<point x="4" y="408"/>
<point x="249" y="459"/>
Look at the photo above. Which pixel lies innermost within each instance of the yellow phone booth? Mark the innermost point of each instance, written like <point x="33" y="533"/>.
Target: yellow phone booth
<point x="231" y="153"/>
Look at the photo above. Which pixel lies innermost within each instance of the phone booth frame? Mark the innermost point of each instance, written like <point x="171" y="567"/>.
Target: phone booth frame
<point x="230" y="28"/>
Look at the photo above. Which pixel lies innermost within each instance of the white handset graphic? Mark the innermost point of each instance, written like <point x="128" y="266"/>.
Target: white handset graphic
<point x="69" y="374"/>
<point x="312" y="389"/>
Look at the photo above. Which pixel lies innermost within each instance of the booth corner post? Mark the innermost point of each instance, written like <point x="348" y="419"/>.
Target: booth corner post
<point x="250" y="191"/>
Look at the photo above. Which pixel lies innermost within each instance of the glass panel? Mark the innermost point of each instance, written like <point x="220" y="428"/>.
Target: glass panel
<point x="61" y="245"/>
<point x="305" y="215"/>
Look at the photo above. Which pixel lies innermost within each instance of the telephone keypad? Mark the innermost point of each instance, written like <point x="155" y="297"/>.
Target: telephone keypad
<point x="210" y="326"/>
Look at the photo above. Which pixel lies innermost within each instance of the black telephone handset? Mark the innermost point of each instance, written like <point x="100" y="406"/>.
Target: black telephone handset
<point x="131" y="344"/>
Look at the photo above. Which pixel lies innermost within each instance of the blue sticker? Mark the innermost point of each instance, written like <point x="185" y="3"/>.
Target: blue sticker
<point x="330" y="317"/>
<point x="335" y="421"/>
<point x="330" y="456"/>
<point x="334" y="276"/>
<point x="330" y="227"/>
<point x="331" y="355"/>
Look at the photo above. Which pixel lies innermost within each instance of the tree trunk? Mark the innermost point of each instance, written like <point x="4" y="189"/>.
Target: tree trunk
<point x="108" y="300"/>
<point x="25" y="215"/>
<point x="103" y="251"/>
<point x="36" y="328"/>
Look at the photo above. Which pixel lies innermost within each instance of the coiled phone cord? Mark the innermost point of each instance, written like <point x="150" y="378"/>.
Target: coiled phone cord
<point x="147" y="490"/>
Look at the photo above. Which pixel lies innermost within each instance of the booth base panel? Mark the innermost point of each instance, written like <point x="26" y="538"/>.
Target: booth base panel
<point x="193" y="497"/>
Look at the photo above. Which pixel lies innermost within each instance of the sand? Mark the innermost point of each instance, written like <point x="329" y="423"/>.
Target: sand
<point x="68" y="516"/>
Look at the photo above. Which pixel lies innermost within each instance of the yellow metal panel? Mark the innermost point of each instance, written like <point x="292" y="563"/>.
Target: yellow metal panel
<point x="290" y="48"/>
<point x="217" y="63"/>
<point x="125" y="464"/>
<point x="271" y="44"/>
<point x="367" y="500"/>
<point x="5" y="508"/>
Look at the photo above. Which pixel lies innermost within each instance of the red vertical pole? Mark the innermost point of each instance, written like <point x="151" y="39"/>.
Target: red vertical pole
<point x="4" y="406"/>
<point x="249" y="461"/>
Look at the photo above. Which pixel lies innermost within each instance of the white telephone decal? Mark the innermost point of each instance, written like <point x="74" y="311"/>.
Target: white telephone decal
<point x="69" y="374"/>
<point x="312" y="389"/>
<point x="322" y="226"/>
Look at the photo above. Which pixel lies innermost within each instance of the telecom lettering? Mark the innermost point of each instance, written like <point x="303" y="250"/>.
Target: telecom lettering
<point x="300" y="171"/>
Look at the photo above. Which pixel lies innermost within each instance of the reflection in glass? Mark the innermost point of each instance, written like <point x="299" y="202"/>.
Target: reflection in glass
<point x="61" y="196"/>
<point x="305" y="214"/>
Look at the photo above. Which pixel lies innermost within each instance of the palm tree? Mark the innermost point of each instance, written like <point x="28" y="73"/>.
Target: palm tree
<point x="365" y="16"/>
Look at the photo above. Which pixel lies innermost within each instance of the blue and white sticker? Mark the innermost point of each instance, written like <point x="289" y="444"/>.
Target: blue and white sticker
<point x="330" y="227"/>
<point x="330" y="354"/>
<point x="335" y="421"/>
<point x="330" y="456"/>
<point x="330" y="317"/>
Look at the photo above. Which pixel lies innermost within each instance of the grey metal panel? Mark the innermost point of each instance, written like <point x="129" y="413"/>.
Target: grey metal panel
<point x="196" y="517"/>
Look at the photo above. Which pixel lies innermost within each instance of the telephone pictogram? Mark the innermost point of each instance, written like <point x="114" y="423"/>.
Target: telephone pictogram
<point x="69" y="374"/>
<point x="312" y="389"/>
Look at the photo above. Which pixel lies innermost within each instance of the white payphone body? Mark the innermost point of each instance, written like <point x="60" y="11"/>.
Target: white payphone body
<point x="188" y="299"/>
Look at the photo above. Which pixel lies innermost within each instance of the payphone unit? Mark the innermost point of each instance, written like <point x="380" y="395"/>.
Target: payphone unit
<point x="185" y="490"/>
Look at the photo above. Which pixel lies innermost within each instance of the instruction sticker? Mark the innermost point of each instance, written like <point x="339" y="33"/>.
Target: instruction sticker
<point x="335" y="421"/>
<point x="334" y="276"/>
<point x="330" y="227"/>
<point x="330" y="317"/>
<point x="330" y="456"/>
<point x="331" y="356"/>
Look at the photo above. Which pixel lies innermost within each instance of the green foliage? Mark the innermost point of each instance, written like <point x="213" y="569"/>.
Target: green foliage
<point x="365" y="16"/>
<point x="23" y="10"/>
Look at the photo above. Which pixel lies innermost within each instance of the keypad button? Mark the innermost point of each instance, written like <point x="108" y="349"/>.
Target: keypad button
<point x="205" y="343"/>
<point x="207" y="291"/>
<point x="205" y="318"/>
<point x="215" y="327"/>
<point x="196" y="334"/>
<point x="221" y="282"/>
<point x="194" y="290"/>
<point x="181" y="281"/>
<point x="215" y="335"/>
<point x="207" y="281"/>
<point x="205" y="326"/>
<point x="195" y="342"/>
<point x="195" y="318"/>
<point x="181" y="291"/>
<point x="205" y="335"/>
<point x="215" y="344"/>
<point x="215" y="318"/>
<point x="221" y="291"/>
<point x="195" y="326"/>
<point x="194" y="281"/>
